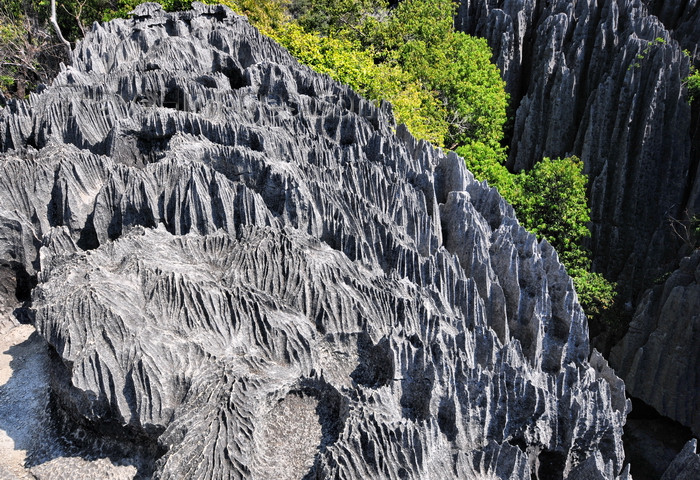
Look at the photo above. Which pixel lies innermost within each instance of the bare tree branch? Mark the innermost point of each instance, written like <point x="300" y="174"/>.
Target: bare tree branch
<point x="54" y="23"/>
<point x="77" y="13"/>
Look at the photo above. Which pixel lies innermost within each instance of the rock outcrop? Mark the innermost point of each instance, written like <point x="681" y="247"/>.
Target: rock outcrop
<point x="603" y="80"/>
<point x="681" y="18"/>
<point x="659" y="356"/>
<point x="243" y="271"/>
<point x="686" y="465"/>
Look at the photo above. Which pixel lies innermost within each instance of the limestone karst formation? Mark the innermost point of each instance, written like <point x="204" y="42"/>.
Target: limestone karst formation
<point x="245" y="270"/>
<point x="604" y="80"/>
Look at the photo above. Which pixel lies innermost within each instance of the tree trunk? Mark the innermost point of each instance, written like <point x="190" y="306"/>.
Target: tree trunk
<point x="54" y="23"/>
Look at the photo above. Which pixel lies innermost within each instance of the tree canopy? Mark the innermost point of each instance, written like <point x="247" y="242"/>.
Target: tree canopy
<point x="550" y="201"/>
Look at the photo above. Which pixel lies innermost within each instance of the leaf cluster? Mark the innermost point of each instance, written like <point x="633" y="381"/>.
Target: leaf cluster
<point x="419" y="37"/>
<point x="692" y="83"/>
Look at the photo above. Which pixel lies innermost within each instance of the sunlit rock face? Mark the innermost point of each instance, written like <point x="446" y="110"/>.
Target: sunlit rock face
<point x="248" y="271"/>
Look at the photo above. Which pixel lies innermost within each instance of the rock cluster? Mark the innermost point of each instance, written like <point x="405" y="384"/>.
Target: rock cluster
<point x="603" y="80"/>
<point x="248" y="271"/>
<point x="659" y="356"/>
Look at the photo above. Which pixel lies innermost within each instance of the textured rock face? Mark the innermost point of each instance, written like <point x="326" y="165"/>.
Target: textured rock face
<point x="603" y="80"/>
<point x="682" y="18"/>
<point x="245" y="272"/>
<point x="686" y="466"/>
<point x="659" y="357"/>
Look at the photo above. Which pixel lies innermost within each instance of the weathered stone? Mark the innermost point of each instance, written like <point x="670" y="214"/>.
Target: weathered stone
<point x="603" y="80"/>
<point x="686" y="466"/>
<point x="659" y="356"/>
<point x="244" y="271"/>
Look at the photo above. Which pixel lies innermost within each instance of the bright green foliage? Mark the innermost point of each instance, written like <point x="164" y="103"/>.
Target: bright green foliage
<point x="595" y="294"/>
<point x="693" y="85"/>
<point x="487" y="163"/>
<point x="411" y="23"/>
<point x="346" y="61"/>
<point x="419" y="36"/>
<point x="554" y="206"/>
<point x="474" y="90"/>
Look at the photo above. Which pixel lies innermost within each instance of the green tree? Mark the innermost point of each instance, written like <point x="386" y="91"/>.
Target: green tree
<point x="693" y="85"/>
<point x="550" y="201"/>
<point x="554" y="206"/>
<point x="419" y="36"/>
<point x="488" y="163"/>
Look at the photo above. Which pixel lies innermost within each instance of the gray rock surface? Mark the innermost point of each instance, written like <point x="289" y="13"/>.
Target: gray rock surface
<point x="603" y="80"/>
<point x="686" y="465"/>
<point x="243" y="272"/>
<point x="682" y="18"/>
<point x="659" y="356"/>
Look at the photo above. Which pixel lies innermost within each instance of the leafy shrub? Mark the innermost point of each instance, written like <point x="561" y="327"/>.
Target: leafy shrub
<point x="693" y="85"/>
<point x="554" y="206"/>
<point x="550" y="201"/>
<point x="487" y="163"/>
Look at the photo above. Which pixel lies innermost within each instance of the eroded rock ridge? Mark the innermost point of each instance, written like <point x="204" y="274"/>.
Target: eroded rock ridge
<point x="249" y="271"/>
<point x="604" y="80"/>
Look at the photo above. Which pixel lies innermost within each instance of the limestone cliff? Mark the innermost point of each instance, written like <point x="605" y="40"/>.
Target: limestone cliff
<point x="659" y="355"/>
<point x="249" y="271"/>
<point x="604" y="80"/>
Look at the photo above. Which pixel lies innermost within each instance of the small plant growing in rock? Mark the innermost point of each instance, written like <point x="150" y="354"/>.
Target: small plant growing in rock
<point x="692" y="83"/>
<point x="687" y="228"/>
<point x="643" y="54"/>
